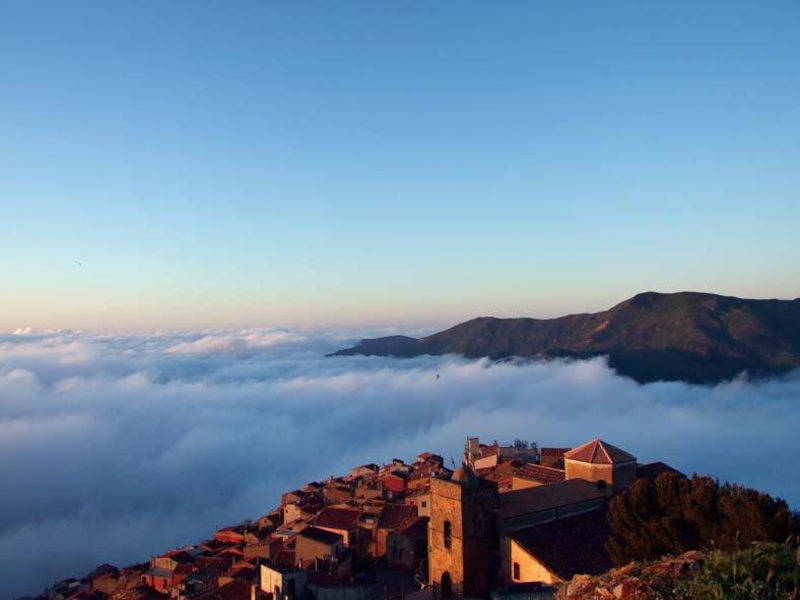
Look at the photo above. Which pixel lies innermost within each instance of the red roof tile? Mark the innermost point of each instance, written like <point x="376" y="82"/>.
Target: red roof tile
<point x="486" y="451"/>
<point x="599" y="452"/>
<point x="553" y="451"/>
<point x="545" y="497"/>
<point x="417" y="528"/>
<point x="396" y="516"/>
<point x="235" y="590"/>
<point x="571" y="546"/>
<point x="540" y="473"/>
<point x="338" y="518"/>
<point x="320" y="535"/>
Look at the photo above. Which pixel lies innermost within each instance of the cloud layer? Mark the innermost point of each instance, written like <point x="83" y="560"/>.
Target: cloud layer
<point x="118" y="447"/>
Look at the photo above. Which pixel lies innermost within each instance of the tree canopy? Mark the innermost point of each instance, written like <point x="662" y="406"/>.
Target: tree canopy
<point x="673" y="514"/>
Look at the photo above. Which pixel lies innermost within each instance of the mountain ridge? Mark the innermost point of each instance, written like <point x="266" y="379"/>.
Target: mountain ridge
<point x="695" y="337"/>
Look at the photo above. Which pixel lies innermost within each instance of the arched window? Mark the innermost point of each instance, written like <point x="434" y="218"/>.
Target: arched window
<point x="447" y="585"/>
<point x="448" y="534"/>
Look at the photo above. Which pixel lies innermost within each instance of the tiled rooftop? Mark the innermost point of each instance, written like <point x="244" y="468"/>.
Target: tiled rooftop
<point x="599" y="452"/>
<point x="570" y="546"/>
<point x="338" y="518"/>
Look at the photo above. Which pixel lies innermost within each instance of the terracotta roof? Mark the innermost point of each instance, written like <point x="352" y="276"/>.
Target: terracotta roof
<point x="417" y="528"/>
<point x="553" y="451"/>
<point x="599" y="452"/>
<point x="540" y="473"/>
<point x="396" y="516"/>
<point x="214" y="564"/>
<point x="545" y="497"/>
<point x="571" y="546"/>
<point x="423" y="472"/>
<point x="215" y="544"/>
<point x="504" y="468"/>
<point x="179" y="556"/>
<point x="430" y="456"/>
<point x="338" y="518"/>
<point x="486" y="451"/>
<point x="320" y="535"/>
<point x="183" y="568"/>
<point x="235" y="590"/>
<point x="370" y="466"/>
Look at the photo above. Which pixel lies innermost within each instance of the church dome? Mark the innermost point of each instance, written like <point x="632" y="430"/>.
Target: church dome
<point x="599" y="452"/>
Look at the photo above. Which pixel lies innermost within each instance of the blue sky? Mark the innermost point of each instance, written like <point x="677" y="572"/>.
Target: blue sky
<point x="314" y="163"/>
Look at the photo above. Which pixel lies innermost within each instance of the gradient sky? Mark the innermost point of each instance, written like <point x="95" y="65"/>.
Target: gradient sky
<point x="216" y="164"/>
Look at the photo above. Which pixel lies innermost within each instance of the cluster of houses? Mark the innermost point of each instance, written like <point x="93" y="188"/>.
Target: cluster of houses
<point x="511" y="521"/>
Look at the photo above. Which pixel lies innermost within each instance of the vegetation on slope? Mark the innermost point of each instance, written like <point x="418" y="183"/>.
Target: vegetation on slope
<point x="763" y="571"/>
<point x="674" y="514"/>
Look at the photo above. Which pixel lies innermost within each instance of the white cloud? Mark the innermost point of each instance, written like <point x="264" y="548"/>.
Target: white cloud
<point x="241" y="345"/>
<point x="122" y="446"/>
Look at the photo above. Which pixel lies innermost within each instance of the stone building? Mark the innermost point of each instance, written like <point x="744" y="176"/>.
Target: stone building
<point x="314" y="543"/>
<point x="600" y="462"/>
<point x="283" y="582"/>
<point x="547" y="527"/>
<point x="462" y="535"/>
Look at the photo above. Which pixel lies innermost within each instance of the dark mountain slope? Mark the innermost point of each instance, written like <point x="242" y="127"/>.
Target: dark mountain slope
<point x="688" y="336"/>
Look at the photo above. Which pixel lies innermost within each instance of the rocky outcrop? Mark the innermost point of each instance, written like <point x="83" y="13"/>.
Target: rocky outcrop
<point x="635" y="581"/>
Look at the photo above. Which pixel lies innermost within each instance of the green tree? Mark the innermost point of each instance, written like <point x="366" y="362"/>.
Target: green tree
<point x="674" y="514"/>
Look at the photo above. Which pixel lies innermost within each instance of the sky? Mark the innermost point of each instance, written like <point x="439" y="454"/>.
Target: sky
<point x="312" y="164"/>
<point x="118" y="447"/>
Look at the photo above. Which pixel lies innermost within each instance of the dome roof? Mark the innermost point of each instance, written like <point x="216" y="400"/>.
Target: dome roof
<point x="599" y="452"/>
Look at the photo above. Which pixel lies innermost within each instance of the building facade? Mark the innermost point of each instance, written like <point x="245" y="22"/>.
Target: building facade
<point x="462" y="535"/>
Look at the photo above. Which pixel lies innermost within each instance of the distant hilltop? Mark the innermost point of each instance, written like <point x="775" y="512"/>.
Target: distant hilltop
<point x="687" y="336"/>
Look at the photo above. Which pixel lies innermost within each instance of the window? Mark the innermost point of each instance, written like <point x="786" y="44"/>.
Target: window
<point x="448" y="534"/>
<point x="516" y="571"/>
<point x="424" y="503"/>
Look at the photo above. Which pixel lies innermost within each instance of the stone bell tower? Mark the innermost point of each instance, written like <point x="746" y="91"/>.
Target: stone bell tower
<point x="462" y="535"/>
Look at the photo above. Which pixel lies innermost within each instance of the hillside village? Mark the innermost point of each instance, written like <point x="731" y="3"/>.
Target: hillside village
<point x="511" y="523"/>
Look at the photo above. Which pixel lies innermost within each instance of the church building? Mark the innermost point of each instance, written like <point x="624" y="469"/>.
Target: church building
<point x="480" y="539"/>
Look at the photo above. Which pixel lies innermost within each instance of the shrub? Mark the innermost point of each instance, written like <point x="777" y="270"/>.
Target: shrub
<point x="765" y="571"/>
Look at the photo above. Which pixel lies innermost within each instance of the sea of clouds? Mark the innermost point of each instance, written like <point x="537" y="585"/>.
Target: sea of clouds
<point x="117" y="447"/>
